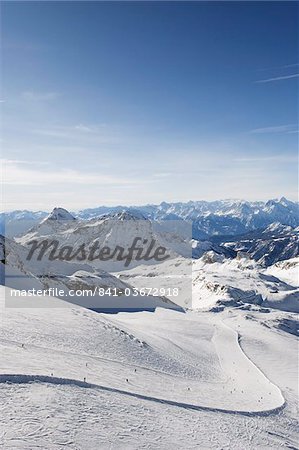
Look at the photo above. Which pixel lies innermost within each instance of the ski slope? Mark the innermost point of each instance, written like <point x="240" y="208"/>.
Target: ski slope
<point x="66" y="369"/>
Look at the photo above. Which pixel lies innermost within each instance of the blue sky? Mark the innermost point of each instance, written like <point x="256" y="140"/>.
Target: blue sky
<point x="132" y="103"/>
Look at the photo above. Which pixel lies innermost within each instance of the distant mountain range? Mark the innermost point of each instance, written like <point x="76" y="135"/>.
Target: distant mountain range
<point x="217" y="218"/>
<point x="228" y="249"/>
<point x="266" y="231"/>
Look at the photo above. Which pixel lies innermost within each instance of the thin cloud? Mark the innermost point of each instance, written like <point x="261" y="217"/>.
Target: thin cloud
<point x="291" y="65"/>
<point x="163" y="174"/>
<point x="291" y="128"/>
<point x="13" y="161"/>
<point x="22" y="161"/>
<point x="284" y="66"/>
<point x="85" y="134"/>
<point x="268" y="159"/>
<point x="89" y="128"/>
<point x="85" y="128"/>
<point x="40" y="96"/>
<point x="284" y="77"/>
<point x="17" y="175"/>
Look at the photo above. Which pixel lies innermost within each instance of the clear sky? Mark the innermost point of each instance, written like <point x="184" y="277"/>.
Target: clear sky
<point x="131" y="103"/>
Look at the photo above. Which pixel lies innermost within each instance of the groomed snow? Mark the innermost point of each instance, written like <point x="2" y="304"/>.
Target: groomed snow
<point x="78" y="379"/>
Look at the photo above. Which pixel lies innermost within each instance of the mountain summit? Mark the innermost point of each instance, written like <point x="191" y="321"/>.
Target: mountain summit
<point x="60" y="214"/>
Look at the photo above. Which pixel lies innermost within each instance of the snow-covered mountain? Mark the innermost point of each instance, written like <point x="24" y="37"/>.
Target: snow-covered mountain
<point x="59" y="214"/>
<point x="78" y="283"/>
<point x="275" y="243"/>
<point x="111" y="231"/>
<point x="17" y="222"/>
<point x="268" y="245"/>
<point x="217" y="276"/>
<point x="229" y="269"/>
<point x="199" y="248"/>
<point x="221" y="217"/>
<point x="218" y="282"/>
<point x="249" y="215"/>
<point x="116" y="232"/>
<point x="241" y="282"/>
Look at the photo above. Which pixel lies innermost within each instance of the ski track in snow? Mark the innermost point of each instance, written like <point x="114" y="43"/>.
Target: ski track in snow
<point x="242" y="368"/>
<point x="24" y="379"/>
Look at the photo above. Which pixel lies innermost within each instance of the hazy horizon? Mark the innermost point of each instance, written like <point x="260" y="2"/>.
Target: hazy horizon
<point x="74" y="210"/>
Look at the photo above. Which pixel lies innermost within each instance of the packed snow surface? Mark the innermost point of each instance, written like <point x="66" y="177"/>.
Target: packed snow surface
<point x="73" y="378"/>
